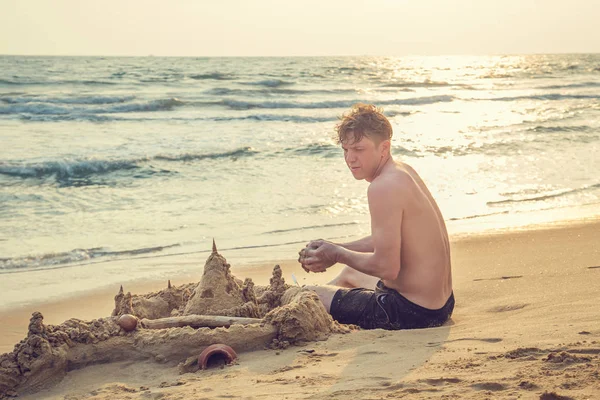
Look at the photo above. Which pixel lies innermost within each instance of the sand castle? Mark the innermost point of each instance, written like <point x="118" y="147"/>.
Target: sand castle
<point x="175" y="325"/>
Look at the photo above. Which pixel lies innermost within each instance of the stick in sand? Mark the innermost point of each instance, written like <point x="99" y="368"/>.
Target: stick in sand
<point x="197" y="321"/>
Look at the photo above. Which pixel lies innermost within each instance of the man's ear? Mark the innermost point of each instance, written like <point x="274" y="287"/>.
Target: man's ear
<point x="386" y="146"/>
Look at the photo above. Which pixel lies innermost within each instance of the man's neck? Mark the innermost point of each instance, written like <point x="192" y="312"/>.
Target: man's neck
<point x="385" y="160"/>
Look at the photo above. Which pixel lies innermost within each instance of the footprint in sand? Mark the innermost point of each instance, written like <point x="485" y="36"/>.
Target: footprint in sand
<point x="491" y="386"/>
<point x="498" y="279"/>
<point x="319" y="355"/>
<point x="388" y="386"/>
<point x="585" y="351"/>
<point x="485" y="340"/>
<point x="565" y="358"/>
<point x="554" y="396"/>
<point x="527" y="385"/>
<point x="511" y="307"/>
<point x="521" y="352"/>
<point x="440" y="381"/>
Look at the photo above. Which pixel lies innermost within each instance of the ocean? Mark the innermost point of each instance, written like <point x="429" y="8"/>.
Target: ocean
<point x="110" y="161"/>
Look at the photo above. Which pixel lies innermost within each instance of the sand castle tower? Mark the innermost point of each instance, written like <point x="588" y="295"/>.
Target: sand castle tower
<point x="217" y="290"/>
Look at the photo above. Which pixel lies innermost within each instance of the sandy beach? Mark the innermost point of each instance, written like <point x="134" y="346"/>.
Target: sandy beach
<point x="526" y="325"/>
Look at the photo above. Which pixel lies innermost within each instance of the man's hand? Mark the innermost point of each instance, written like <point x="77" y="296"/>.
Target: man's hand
<point x="318" y="256"/>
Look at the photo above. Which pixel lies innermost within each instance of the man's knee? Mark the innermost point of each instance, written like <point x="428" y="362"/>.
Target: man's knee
<point x="351" y="278"/>
<point x="344" y="279"/>
<point x="314" y="288"/>
<point x="325" y="293"/>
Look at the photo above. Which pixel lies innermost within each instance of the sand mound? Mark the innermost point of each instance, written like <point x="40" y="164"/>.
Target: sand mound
<point x="153" y="305"/>
<point x="42" y="358"/>
<point x="291" y="315"/>
<point x="217" y="293"/>
<point x="303" y="318"/>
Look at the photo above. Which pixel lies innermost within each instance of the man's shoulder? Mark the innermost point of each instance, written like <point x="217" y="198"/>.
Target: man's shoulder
<point x="395" y="183"/>
<point x="398" y="178"/>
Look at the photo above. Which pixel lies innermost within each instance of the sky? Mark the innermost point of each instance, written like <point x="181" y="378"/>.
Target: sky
<point x="297" y="27"/>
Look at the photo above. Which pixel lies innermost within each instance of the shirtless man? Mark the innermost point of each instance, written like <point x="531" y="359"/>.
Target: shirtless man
<point x="400" y="276"/>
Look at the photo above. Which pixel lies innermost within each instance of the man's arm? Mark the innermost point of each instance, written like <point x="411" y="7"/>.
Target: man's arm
<point x="364" y="245"/>
<point x="385" y="205"/>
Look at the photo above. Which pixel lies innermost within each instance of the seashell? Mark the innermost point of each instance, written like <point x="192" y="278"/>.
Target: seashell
<point x="216" y="349"/>
<point x="128" y="322"/>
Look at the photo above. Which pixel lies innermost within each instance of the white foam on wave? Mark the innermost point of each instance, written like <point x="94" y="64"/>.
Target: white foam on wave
<point x="66" y="99"/>
<point x="66" y="168"/>
<point x="272" y="83"/>
<point x="246" y="105"/>
<point x="41" y="108"/>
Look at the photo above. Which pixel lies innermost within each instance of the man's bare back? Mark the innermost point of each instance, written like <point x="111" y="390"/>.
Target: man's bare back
<point x="425" y="276"/>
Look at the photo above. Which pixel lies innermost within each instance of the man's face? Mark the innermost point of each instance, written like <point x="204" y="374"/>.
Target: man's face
<point x="362" y="157"/>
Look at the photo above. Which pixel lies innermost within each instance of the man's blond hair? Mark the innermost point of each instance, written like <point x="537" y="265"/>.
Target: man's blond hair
<point x="363" y="120"/>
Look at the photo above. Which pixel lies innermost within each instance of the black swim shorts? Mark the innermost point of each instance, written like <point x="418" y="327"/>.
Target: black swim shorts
<point x="385" y="308"/>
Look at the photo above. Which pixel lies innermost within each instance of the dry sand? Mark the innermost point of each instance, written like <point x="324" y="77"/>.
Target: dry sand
<point x="526" y="325"/>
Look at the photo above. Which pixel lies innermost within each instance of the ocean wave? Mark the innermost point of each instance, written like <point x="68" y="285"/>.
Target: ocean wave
<point x="391" y="114"/>
<point x="217" y="76"/>
<point x="111" y="118"/>
<point x="222" y="91"/>
<point x="397" y="149"/>
<point x="304" y="228"/>
<point x="247" y="105"/>
<point x="153" y="105"/>
<point x="572" y="85"/>
<point x="56" y="82"/>
<point x="272" y="83"/>
<point x="500" y="148"/>
<point x="546" y="196"/>
<point x="34" y="108"/>
<point x="243" y="152"/>
<point x="277" y="118"/>
<point x="331" y="150"/>
<point x="73" y="117"/>
<point x="50" y="109"/>
<point x="413" y="84"/>
<point x="560" y="129"/>
<point x="67" y="100"/>
<point x="65" y="170"/>
<point x="324" y="149"/>
<point x="549" y="96"/>
<point x="497" y="148"/>
<point x="274" y="118"/>
<point x="477" y="216"/>
<point x="82" y="82"/>
<point x="69" y="257"/>
<point x="495" y="76"/>
<point x="77" y="108"/>
<point x="8" y="82"/>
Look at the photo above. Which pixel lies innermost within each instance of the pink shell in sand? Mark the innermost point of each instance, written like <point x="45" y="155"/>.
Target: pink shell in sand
<point x="216" y="349"/>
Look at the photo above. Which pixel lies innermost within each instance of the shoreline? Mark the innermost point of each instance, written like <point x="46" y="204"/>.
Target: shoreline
<point x="99" y="302"/>
<point x="26" y="287"/>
